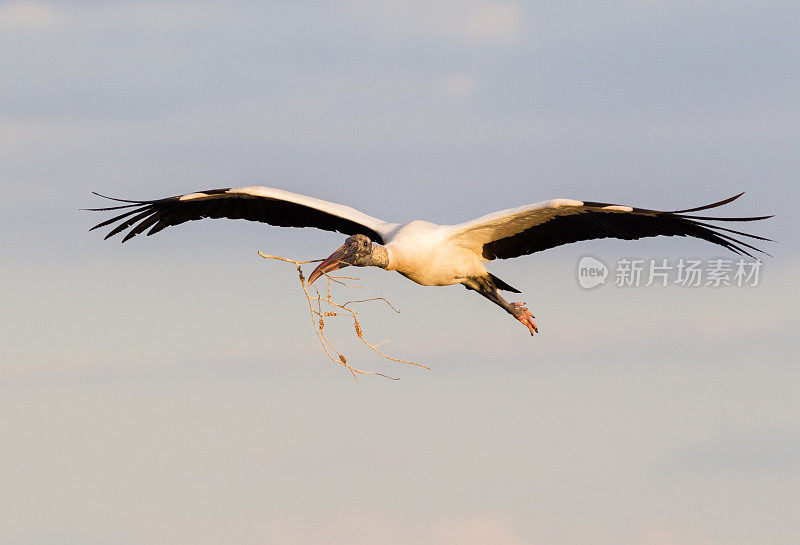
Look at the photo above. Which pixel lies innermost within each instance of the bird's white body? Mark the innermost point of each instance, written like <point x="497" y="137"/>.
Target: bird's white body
<point x="443" y="255"/>
<point x="429" y="255"/>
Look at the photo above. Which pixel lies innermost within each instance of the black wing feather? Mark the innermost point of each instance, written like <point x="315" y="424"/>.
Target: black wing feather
<point x="128" y="222"/>
<point x="592" y="222"/>
<point x="159" y="214"/>
<point x="115" y="218"/>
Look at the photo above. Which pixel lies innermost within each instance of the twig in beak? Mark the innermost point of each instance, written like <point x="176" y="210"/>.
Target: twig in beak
<point x="318" y="316"/>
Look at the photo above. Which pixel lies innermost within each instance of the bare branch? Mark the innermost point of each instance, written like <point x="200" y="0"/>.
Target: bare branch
<point x="318" y="317"/>
<point x="373" y="299"/>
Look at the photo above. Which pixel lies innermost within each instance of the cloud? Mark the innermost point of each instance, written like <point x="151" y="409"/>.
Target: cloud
<point x="477" y="530"/>
<point x="27" y="16"/>
<point x="756" y="450"/>
<point x="475" y="23"/>
<point x="457" y="85"/>
<point x="656" y="535"/>
<point x="493" y="22"/>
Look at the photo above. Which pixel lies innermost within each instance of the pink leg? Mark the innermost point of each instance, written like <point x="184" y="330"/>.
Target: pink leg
<point x="525" y="316"/>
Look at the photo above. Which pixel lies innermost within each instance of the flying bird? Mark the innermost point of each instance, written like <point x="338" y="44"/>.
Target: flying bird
<point x="427" y="253"/>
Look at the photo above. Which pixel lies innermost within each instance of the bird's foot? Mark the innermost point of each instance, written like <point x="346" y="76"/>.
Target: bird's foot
<point x="525" y="316"/>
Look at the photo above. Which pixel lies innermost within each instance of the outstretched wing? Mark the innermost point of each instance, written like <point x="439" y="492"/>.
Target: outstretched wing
<point x="537" y="227"/>
<point x="264" y="204"/>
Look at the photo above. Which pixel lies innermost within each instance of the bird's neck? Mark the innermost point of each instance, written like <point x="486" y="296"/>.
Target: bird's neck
<point x="380" y="256"/>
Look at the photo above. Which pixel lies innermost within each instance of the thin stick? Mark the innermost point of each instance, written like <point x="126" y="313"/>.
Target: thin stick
<point x="373" y="299"/>
<point x="298" y="263"/>
<point x="318" y="317"/>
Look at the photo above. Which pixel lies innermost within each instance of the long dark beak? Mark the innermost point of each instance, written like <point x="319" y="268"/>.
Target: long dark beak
<point x="331" y="263"/>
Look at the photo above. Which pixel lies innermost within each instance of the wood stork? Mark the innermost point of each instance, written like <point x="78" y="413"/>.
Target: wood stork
<point x="427" y="253"/>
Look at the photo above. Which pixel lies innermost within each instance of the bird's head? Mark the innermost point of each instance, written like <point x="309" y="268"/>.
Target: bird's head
<point x="356" y="251"/>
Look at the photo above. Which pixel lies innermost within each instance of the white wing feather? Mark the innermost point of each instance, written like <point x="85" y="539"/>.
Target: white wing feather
<point x="505" y="223"/>
<point x="379" y="226"/>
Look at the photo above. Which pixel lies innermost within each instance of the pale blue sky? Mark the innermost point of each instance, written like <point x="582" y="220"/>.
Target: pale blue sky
<point x="170" y="390"/>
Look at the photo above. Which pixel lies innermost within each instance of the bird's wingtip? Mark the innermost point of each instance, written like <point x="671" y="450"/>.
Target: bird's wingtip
<point x="707" y="206"/>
